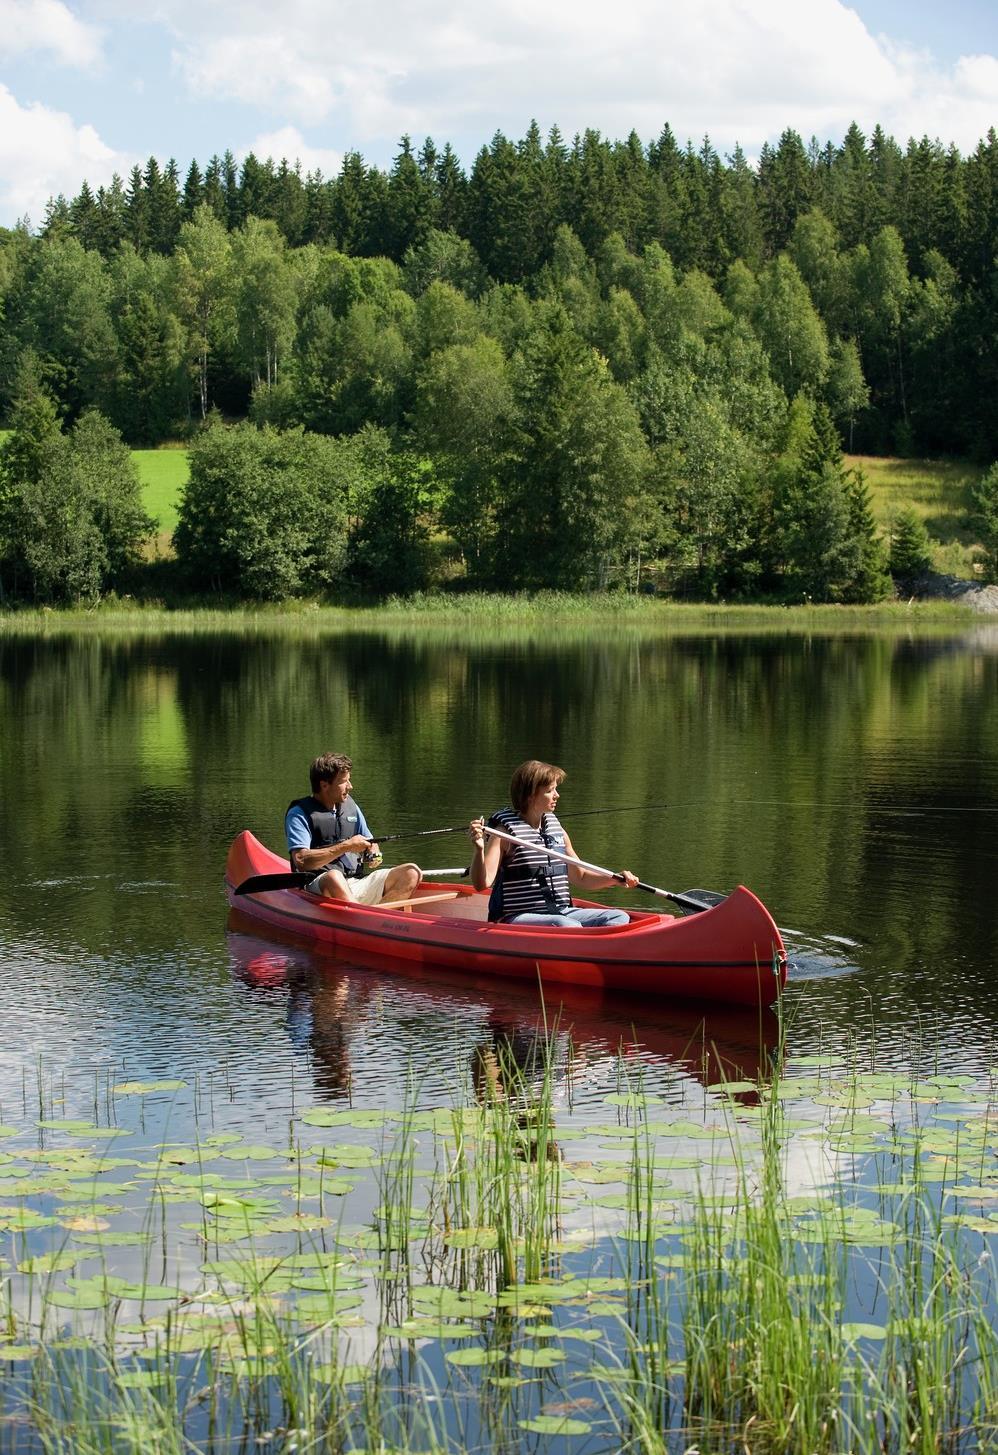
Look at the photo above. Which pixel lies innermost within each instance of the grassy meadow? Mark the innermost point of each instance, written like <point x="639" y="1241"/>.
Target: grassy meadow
<point x="163" y="474"/>
<point x="938" y="491"/>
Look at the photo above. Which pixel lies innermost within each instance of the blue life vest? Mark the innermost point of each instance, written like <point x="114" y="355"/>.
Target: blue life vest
<point x="331" y="826"/>
<point x="528" y="880"/>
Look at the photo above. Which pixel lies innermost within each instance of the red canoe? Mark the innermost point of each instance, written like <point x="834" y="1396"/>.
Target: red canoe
<point x="731" y="954"/>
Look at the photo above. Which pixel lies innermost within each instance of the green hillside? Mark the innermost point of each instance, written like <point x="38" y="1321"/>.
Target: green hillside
<point x="938" y="491"/>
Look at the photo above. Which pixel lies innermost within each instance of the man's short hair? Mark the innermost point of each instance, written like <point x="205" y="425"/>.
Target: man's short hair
<point x="528" y="778"/>
<point x="326" y="767"/>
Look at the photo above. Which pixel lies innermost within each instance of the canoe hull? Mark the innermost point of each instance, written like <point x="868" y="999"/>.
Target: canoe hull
<point x="732" y="954"/>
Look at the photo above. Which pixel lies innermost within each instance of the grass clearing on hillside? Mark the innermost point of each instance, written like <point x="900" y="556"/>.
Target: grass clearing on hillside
<point x="163" y="474"/>
<point x="938" y="491"/>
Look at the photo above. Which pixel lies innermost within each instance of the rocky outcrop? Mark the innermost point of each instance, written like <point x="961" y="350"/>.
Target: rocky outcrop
<point x="936" y="587"/>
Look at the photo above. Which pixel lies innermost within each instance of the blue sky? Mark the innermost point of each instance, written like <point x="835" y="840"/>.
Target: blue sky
<point x="89" y="87"/>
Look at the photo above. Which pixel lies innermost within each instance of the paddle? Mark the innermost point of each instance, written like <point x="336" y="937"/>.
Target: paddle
<point x="261" y="883"/>
<point x="695" y="900"/>
<point x="462" y="827"/>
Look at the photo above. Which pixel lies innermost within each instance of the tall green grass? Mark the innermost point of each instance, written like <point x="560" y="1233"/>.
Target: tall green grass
<point x="485" y="616"/>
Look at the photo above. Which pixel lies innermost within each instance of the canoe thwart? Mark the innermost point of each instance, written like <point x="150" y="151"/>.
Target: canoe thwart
<point x="419" y="900"/>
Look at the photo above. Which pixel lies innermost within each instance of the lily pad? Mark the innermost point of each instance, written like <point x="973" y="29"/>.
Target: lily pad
<point x="90" y="1297"/>
<point x="556" y="1425"/>
<point x="552" y="1331"/>
<point x="430" y="1329"/>
<point x="543" y="1358"/>
<point x="141" y="1378"/>
<point x="325" y="1116"/>
<point x="22" y="1220"/>
<point x="484" y="1238"/>
<point x="144" y="1088"/>
<point x="82" y="1129"/>
<point x="112" y="1239"/>
<point x="250" y="1153"/>
<point x="452" y="1303"/>
<point x="474" y="1358"/>
<point x="51" y="1262"/>
<point x="854" y="1331"/>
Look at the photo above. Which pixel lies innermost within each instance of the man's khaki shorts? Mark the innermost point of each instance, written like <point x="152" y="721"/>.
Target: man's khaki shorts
<point x="369" y="890"/>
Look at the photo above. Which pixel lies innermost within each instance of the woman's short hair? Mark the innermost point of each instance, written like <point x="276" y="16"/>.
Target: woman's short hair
<point x="326" y="767"/>
<point x="529" y="777"/>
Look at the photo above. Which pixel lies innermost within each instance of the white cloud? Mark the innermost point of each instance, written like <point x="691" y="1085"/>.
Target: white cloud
<point x="43" y="152"/>
<point x="48" y="26"/>
<point x="289" y="145"/>
<point x="736" y="69"/>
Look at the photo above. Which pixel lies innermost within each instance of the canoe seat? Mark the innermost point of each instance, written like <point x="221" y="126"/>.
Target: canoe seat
<point x="406" y="904"/>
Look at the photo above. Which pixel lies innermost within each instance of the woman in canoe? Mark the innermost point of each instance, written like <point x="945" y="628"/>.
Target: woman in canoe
<point x="528" y="886"/>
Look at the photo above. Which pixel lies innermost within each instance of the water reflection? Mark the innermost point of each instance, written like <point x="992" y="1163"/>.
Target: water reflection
<point x="851" y="779"/>
<point x="592" y="1043"/>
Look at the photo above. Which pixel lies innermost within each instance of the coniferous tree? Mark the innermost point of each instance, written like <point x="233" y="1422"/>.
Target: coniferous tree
<point x="214" y="190"/>
<point x="410" y="203"/>
<point x="85" y="218"/>
<point x="785" y="182"/>
<point x="985" y="499"/>
<point x="111" y="217"/>
<point x="451" y="189"/>
<point x="193" y="194"/>
<point x="137" y="210"/>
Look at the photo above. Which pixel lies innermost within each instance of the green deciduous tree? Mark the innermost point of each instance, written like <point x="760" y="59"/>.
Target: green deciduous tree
<point x="791" y="331"/>
<point x="202" y="273"/>
<point x="389" y="547"/>
<point x="264" y="299"/>
<point x="577" y="469"/>
<point x="263" y="514"/>
<point x="71" y="516"/>
<point x="463" y="417"/>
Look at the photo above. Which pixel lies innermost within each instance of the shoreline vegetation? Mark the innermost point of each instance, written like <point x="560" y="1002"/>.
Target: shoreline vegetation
<point x="487" y="610"/>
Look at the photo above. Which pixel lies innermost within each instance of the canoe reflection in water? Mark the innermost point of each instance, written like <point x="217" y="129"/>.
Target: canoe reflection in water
<point x="505" y="1033"/>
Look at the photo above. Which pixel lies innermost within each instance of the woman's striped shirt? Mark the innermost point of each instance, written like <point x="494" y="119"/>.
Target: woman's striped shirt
<point x="529" y="881"/>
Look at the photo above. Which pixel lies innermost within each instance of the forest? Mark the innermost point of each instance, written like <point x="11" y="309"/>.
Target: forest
<point x="580" y="365"/>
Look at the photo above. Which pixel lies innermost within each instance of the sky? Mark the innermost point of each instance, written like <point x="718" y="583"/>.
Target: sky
<point x="90" y="87"/>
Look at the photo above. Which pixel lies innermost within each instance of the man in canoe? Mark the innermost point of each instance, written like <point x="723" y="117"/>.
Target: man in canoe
<point x="528" y="886"/>
<point x="328" y="832"/>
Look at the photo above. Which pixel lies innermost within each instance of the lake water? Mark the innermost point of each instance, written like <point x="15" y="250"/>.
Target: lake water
<point x="851" y="780"/>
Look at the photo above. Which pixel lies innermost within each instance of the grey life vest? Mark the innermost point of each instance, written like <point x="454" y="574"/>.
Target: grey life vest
<point x="331" y="826"/>
<point x="528" y="881"/>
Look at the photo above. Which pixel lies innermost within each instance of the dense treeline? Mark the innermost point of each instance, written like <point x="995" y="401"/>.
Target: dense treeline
<point x="574" y="360"/>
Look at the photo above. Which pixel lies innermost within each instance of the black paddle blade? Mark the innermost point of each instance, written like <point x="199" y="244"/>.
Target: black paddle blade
<point x="260" y="883"/>
<point x="698" y="899"/>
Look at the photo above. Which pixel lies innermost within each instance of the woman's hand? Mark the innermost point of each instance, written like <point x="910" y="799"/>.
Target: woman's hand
<point x="476" y="832"/>
<point x="631" y="880"/>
